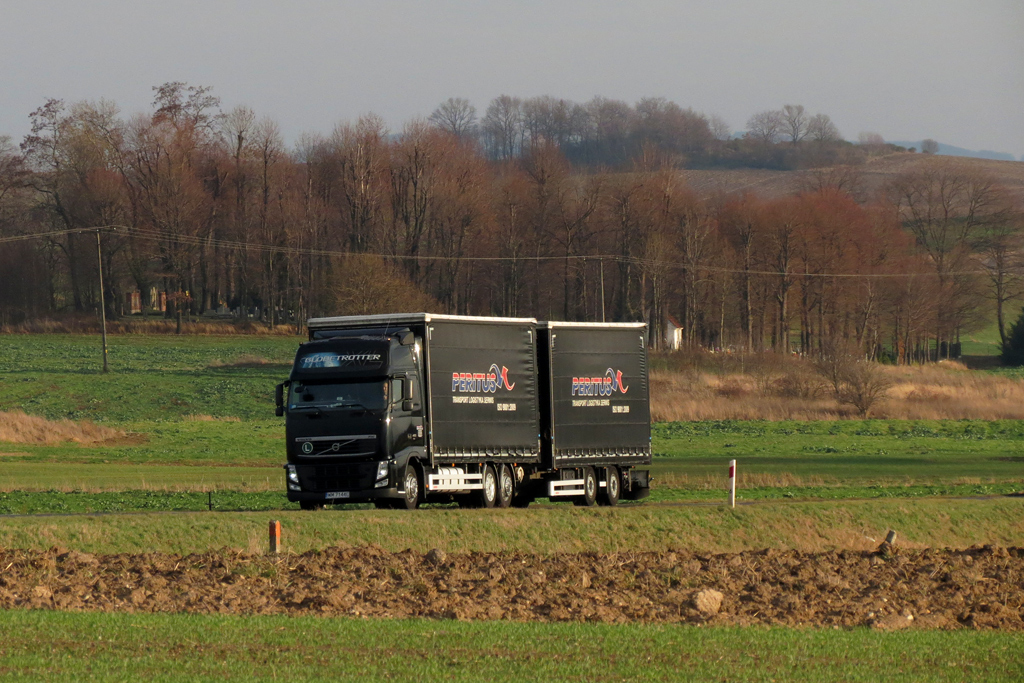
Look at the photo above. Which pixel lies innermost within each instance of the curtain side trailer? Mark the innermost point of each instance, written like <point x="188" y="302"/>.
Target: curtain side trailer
<point x="411" y="408"/>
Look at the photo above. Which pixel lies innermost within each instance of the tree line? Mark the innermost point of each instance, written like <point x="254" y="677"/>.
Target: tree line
<point x="207" y="212"/>
<point x="611" y="134"/>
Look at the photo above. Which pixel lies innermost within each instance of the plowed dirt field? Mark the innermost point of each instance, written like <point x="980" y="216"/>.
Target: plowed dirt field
<point x="890" y="588"/>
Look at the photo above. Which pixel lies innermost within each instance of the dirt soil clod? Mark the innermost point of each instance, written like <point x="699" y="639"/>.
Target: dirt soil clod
<point x="978" y="588"/>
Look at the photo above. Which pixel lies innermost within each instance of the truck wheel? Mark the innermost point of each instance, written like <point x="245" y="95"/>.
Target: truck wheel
<point x="411" y="501"/>
<point x="589" y="496"/>
<point x="506" y="486"/>
<point x="612" y="487"/>
<point x="489" y="494"/>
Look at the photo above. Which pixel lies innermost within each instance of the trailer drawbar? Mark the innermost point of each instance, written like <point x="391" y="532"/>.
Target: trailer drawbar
<point x="487" y="412"/>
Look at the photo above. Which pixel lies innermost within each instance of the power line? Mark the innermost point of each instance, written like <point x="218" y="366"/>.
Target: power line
<point x="199" y="241"/>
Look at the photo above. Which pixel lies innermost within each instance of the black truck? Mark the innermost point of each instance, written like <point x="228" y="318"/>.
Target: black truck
<point x="486" y="412"/>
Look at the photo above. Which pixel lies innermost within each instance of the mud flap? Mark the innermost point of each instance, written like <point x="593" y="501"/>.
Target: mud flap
<point x="639" y="485"/>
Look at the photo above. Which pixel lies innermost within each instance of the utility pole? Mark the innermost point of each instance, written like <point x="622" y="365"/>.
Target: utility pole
<point x="602" y="290"/>
<point x="103" y="302"/>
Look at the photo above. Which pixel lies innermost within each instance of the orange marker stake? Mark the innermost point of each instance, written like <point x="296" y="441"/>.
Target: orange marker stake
<point x="275" y="536"/>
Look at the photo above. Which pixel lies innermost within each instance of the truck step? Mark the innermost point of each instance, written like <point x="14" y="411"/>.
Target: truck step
<point x="454" y="479"/>
<point x="565" y="487"/>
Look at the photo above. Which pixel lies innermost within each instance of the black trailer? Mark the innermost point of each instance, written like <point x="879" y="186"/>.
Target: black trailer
<point x="401" y="409"/>
<point x="595" y="409"/>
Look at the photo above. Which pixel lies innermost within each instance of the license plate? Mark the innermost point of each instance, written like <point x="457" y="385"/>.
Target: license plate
<point x="337" y="494"/>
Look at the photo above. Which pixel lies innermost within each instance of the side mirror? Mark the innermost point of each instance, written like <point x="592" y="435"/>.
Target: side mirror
<point x="279" y="398"/>
<point x="407" y="393"/>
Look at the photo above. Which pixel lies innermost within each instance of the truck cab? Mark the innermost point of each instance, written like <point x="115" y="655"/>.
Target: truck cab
<point x="354" y="419"/>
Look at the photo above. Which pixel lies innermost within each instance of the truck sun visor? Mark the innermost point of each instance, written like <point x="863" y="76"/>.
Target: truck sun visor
<point x="357" y="357"/>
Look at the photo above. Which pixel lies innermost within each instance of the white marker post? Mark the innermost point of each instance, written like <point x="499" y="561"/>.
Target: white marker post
<point x="732" y="483"/>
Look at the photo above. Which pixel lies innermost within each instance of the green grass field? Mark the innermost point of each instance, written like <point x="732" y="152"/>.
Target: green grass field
<point x="167" y="463"/>
<point x="708" y="528"/>
<point x="151" y="378"/>
<point x="168" y="647"/>
<point x="157" y="381"/>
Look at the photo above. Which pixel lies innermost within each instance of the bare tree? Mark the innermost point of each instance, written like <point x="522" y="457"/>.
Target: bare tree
<point x="839" y="179"/>
<point x="720" y="129"/>
<point x="795" y="122"/>
<point x="765" y="126"/>
<point x="821" y="129"/>
<point x="671" y="128"/>
<point x="929" y="146"/>
<point x="854" y="381"/>
<point x="184" y="104"/>
<point x="943" y="205"/>
<point x="1001" y="243"/>
<point x="503" y="127"/>
<point x="611" y="123"/>
<point x="870" y="139"/>
<point x="11" y="169"/>
<point x="457" y="116"/>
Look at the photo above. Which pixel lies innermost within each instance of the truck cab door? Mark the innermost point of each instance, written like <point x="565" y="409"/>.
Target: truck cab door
<point x="406" y="429"/>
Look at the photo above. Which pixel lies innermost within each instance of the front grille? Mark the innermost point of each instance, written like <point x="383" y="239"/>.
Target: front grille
<point x="335" y="445"/>
<point x="348" y="477"/>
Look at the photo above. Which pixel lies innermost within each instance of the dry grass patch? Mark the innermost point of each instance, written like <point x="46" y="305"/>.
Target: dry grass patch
<point x="245" y="360"/>
<point x="17" y="427"/>
<point x="692" y="389"/>
<point x="210" y="418"/>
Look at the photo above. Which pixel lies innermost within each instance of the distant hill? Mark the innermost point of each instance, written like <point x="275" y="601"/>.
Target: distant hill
<point x="872" y="176"/>
<point x="950" y="150"/>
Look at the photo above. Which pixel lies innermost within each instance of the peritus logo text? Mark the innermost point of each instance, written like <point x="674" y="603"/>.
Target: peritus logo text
<point x="599" y="386"/>
<point x="482" y="382"/>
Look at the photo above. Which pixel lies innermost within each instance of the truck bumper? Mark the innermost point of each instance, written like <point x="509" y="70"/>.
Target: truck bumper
<point x="340" y="497"/>
<point x="335" y="483"/>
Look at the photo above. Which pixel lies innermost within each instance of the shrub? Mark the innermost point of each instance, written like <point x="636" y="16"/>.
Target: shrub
<point x="1013" y="348"/>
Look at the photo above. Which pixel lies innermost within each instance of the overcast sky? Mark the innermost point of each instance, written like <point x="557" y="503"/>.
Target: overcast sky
<point x="945" y="69"/>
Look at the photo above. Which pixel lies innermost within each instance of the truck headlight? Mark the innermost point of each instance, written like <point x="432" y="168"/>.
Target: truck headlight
<point x="382" y="469"/>
<point x="293" y="475"/>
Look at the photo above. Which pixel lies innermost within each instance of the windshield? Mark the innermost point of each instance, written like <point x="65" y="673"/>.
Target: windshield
<point x="368" y="395"/>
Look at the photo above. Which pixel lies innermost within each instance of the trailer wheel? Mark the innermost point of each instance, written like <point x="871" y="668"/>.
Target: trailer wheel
<point x="589" y="496"/>
<point x="612" y="487"/>
<point x="506" y="486"/>
<point x="411" y="478"/>
<point x="487" y="496"/>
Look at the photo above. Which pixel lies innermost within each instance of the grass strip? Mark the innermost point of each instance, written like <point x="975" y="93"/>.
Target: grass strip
<point x="85" y="502"/>
<point x="762" y="493"/>
<point x="808" y="453"/>
<point x="966" y="430"/>
<point x="60" y="502"/>
<point x="806" y="526"/>
<point x="171" y="647"/>
<point x="34" y="476"/>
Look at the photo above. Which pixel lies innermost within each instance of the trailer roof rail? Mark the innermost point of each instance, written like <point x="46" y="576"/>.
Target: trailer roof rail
<point x="389" y="319"/>
<point x="568" y="323"/>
